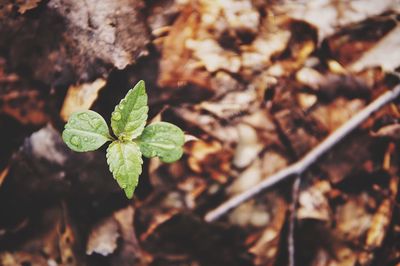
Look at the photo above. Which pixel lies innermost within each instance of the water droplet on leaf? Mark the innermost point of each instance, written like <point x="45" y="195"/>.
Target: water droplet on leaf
<point x="84" y="116"/>
<point x="86" y="139"/>
<point x="75" y="140"/>
<point x="116" y="116"/>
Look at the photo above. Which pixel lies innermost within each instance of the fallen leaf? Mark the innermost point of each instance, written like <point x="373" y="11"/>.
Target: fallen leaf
<point x="248" y="147"/>
<point x="130" y="252"/>
<point x="81" y="97"/>
<point x="266" y="247"/>
<point x="103" y="238"/>
<point x="26" y="106"/>
<point x="377" y="55"/>
<point x="26" y="5"/>
<point x="390" y="131"/>
<point x="313" y="202"/>
<point x="329" y="15"/>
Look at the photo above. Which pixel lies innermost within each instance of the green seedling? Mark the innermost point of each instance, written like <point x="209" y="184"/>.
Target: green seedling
<point x="88" y="131"/>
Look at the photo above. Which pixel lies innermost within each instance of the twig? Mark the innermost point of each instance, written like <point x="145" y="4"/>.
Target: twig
<point x="292" y="221"/>
<point x="300" y="166"/>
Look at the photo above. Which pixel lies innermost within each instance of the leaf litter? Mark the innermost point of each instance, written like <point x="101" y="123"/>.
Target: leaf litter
<point x="267" y="82"/>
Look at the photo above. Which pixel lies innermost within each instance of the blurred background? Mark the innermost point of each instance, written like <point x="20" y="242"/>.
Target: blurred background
<point x="255" y="85"/>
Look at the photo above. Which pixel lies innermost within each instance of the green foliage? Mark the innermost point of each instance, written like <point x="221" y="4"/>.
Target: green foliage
<point x="130" y="115"/>
<point x="125" y="161"/>
<point x="162" y="139"/>
<point x="87" y="131"/>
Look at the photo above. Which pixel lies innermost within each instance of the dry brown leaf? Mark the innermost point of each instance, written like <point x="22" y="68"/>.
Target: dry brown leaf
<point x="103" y="238"/>
<point x="329" y="15"/>
<point x="313" y="203"/>
<point x="295" y="126"/>
<point x="22" y="258"/>
<point x="26" y="106"/>
<point x="209" y="159"/>
<point x="130" y="252"/>
<point x="266" y="247"/>
<point x="337" y="113"/>
<point x="171" y="204"/>
<point x="193" y="186"/>
<point x="389" y="131"/>
<point x="353" y="219"/>
<point x="248" y="147"/>
<point x="26" y="5"/>
<point x="3" y="175"/>
<point x="349" y="157"/>
<point x="68" y="242"/>
<point x="350" y="44"/>
<point x="233" y="104"/>
<point x="377" y="56"/>
<point x="246" y="179"/>
<point x="176" y="68"/>
<point x="81" y="97"/>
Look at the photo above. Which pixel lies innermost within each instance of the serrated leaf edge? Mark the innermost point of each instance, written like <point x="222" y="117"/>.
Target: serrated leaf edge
<point x="140" y="170"/>
<point x="144" y="116"/>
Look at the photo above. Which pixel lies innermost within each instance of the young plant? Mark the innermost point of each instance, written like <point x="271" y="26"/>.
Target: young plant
<point x="88" y="131"/>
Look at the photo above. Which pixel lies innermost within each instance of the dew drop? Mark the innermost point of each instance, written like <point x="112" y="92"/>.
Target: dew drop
<point x="75" y="140"/>
<point x="86" y="139"/>
<point x="116" y="116"/>
<point x="96" y="123"/>
<point x="84" y="116"/>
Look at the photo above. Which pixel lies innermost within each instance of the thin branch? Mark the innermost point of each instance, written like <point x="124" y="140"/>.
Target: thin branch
<point x="300" y="166"/>
<point x="292" y="221"/>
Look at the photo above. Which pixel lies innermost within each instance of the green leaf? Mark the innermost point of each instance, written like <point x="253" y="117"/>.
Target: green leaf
<point x="85" y="131"/>
<point x="125" y="162"/>
<point x="130" y="115"/>
<point x="162" y="139"/>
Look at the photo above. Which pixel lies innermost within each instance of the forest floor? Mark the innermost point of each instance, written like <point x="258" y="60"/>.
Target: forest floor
<point x="254" y="84"/>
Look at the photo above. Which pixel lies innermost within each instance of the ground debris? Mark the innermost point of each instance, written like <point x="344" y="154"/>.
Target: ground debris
<point x="255" y="85"/>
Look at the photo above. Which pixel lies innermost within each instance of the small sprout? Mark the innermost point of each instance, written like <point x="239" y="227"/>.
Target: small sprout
<point x="88" y="131"/>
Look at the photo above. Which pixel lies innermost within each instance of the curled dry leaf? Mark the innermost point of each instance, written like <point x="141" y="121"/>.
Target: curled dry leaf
<point x="351" y="44"/>
<point x="26" y="105"/>
<point x="250" y="214"/>
<point x="213" y="56"/>
<point x="26" y="5"/>
<point x="103" y="238"/>
<point x="295" y="126"/>
<point x="18" y="258"/>
<point x="115" y="237"/>
<point x="81" y="97"/>
<point x="209" y="159"/>
<point x="247" y="179"/>
<point x="130" y="251"/>
<point x="349" y="157"/>
<point x="3" y="174"/>
<point x="389" y="131"/>
<point x="336" y="113"/>
<point x="329" y="15"/>
<point x="380" y="223"/>
<point x="353" y="219"/>
<point x="266" y="247"/>
<point x="248" y="147"/>
<point x="377" y="55"/>
<point x="313" y="203"/>
<point x="234" y="104"/>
